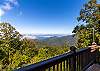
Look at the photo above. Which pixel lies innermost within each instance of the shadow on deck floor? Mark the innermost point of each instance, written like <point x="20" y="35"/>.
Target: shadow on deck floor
<point x="94" y="67"/>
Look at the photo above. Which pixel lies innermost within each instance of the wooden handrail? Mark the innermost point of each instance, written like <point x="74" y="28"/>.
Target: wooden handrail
<point x="75" y="60"/>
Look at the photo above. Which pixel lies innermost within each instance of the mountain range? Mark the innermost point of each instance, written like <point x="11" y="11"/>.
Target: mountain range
<point x="53" y="39"/>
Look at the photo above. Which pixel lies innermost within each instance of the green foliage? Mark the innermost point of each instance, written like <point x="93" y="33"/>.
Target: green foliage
<point x="90" y="14"/>
<point x="29" y="47"/>
<point x="9" y="39"/>
<point x="16" y="52"/>
<point x="48" y="52"/>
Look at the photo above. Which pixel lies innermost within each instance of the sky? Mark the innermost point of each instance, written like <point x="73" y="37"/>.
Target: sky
<point x="41" y="16"/>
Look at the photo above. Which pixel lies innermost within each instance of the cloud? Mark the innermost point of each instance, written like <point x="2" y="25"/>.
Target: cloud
<point x="7" y="5"/>
<point x="1" y="12"/>
<point x="15" y="2"/>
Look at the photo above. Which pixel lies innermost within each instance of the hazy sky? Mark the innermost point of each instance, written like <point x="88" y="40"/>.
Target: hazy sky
<point x="41" y="16"/>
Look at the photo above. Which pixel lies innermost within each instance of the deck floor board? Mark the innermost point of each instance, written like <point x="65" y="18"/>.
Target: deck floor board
<point x="94" y="67"/>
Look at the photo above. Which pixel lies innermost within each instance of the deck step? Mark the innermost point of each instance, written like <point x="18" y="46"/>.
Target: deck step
<point x="94" y="67"/>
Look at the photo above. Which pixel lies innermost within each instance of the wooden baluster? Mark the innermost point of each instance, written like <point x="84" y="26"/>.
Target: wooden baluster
<point x="57" y="67"/>
<point x="61" y="66"/>
<point x="67" y="65"/>
<point x="54" y="68"/>
<point x="64" y="66"/>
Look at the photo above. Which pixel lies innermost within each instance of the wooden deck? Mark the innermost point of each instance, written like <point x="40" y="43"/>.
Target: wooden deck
<point x="94" y="67"/>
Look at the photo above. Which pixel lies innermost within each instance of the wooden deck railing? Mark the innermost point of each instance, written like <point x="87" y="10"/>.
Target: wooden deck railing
<point x="75" y="60"/>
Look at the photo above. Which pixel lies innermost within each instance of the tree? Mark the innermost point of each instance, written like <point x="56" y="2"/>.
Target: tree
<point x="29" y="47"/>
<point x="9" y="43"/>
<point x="90" y="14"/>
<point x="14" y="51"/>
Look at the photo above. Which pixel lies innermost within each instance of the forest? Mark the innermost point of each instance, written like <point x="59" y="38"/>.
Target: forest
<point x="16" y="51"/>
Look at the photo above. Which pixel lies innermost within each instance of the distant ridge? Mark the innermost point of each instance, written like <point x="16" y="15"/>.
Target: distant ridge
<point x="53" y="39"/>
<point x="60" y="41"/>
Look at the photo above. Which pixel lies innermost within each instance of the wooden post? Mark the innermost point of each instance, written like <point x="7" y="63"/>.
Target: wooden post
<point x="97" y="55"/>
<point x="73" y="59"/>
